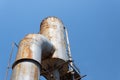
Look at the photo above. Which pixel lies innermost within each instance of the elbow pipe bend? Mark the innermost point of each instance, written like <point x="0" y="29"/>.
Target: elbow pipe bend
<point x="34" y="48"/>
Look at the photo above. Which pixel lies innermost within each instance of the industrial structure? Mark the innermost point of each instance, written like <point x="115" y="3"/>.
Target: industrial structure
<point x="46" y="53"/>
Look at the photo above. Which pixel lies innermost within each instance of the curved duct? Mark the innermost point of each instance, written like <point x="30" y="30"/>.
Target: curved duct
<point x="32" y="49"/>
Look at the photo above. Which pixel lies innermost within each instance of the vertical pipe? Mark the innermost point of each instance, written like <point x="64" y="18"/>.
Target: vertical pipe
<point x="28" y="60"/>
<point x="53" y="29"/>
<point x="9" y="61"/>
<point x="26" y="71"/>
<point x="68" y="46"/>
<point x="69" y="54"/>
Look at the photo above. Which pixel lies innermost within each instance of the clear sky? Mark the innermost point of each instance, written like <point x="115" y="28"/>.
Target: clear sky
<point x="93" y="26"/>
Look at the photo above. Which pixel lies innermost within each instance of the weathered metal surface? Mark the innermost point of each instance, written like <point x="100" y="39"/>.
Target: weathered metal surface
<point x="47" y="56"/>
<point x="25" y="71"/>
<point x="28" y="60"/>
<point x="53" y="29"/>
<point x="32" y="46"/>
<point x="50" y="65"/>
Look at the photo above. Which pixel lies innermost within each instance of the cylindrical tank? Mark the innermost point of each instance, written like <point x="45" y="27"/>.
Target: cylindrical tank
<point x="28" y="61"/>
<point x="53" y="29"/>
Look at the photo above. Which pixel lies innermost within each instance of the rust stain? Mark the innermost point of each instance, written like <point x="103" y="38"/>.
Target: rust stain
<point x="54" y="26"/>
<point x="23" y="70"/>
<point x="27" y="52"/>
<point x="36" y="74"/>
<point x="24" y="50"/>
<point x="18" y="67"/>
<point x="54" y="31"/>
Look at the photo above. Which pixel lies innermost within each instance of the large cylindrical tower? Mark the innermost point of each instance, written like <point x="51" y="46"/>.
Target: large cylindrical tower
<point x="53" y="29"/>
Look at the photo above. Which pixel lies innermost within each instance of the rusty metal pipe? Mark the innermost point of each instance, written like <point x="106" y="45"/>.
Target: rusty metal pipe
<point x="32" y="49"/>
<point x="53" y="29"/>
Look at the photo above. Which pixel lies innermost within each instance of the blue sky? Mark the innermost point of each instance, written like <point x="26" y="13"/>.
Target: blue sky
<point x="93" y="26"/>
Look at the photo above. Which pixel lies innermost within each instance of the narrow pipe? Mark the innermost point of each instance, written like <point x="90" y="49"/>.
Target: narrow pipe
<point x="9" y="61"/>
<point x="68" y="47"/>
<point x="32" y="49"/>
